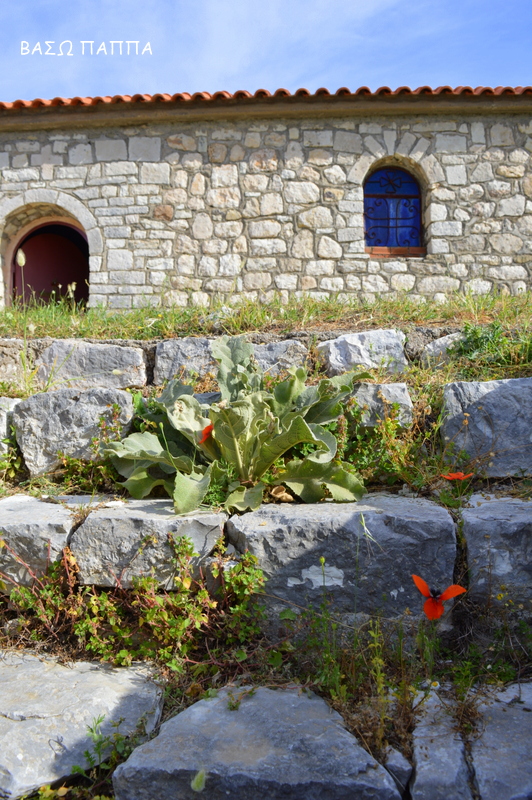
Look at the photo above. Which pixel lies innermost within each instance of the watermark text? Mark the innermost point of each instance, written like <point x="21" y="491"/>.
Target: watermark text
<point x="116" y="47"/>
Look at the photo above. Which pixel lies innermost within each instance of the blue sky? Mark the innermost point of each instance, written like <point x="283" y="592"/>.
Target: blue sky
<point x="208" y="45"/>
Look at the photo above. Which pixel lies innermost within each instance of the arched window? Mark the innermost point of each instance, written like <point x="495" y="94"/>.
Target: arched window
<point x="392" y="212"/>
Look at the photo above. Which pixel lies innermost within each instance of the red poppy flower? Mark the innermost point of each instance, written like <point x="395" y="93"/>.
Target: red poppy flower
<point x="433" y="607"/>
<point x="206" y="433"/>
<point x="456" y="476"/>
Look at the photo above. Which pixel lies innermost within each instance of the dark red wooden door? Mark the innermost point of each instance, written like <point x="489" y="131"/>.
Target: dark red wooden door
<point x="53" y="261"/>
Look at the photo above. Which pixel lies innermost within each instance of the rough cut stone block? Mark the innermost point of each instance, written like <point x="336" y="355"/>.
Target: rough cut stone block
<point x="276" y="356"/>
<point x="436" y="353"/>
<point x="411" y="536"/>
<point x="276" y="745"/>
<point x="130" y="539"/>
<point x="502" y="755"/>
<point x="498" y="533"/>
<point x="11" y="364"/>
<point x="177" y="356"/>
<point x="492" y="422"/>
<point x="45" y="708"/>
<point x="68" y="362"/>
<point x="36" y="532"/>
<point x="377" y="399"/>
<point x="398" y="767"/>
<point x="7" y="404"/>
<point x="439" y="755"/>
<point x="66" y="421"/>
<point x="381" y="348"/>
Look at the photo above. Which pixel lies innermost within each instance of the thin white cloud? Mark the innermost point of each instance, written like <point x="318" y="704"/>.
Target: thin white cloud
<point x="244" y="44"/>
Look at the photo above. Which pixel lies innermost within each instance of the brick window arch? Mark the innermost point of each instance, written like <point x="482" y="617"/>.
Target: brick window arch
<point x="392" y="213"/>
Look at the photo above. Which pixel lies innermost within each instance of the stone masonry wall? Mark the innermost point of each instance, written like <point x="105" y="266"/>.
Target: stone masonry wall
<point x="182" y="213"/>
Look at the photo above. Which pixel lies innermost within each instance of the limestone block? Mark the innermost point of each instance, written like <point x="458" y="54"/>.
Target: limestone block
<point x="303" y="244"/>
<point x="202" y="227"/>
<point x="294" y="155"/>
<point x="369" y="349"/>
<point x="110" y="150"/>
<point x="155" y="173"/>
<point x="277" y="356"/>
<point x="230" y="264"/>
<point x="278" y="744"/>
<point x="267" y="247"/>
<point x="511" y="206"/>
<point x="436" y="353"/>
<point x="177" y="356"/>
<point x="66" y="421"/>
<point x="411" y="535"/>
<point x="180" y="141"/>
<point x="228" y="230"/>
<point x="263" y="160"/>
<point x="128" y="539"/>
<point x="329" y="248"/>
<point x="450" y="143"/>
<point x="7" y="404"/>
<point x="46" y="708"/>
<point x="402" y="283"/>
<point x="399" y="768"/>
<point x="36" y="532"/>
<point x="144" y="148"/>
<point x="227" y="197"/>
<point x="376" y="401"/>
<point x="456" y="175"/>
<point x="318" y="217"/>
<point x="478" y="286"/>
<point x="70" y="362"/>
<point x="318" y="138"/>
<point x="224" y="176"/>
<point x="438" y="283"/>
<point x="446" y="228"/>
<point x="440" y="767"/>
<point x="501" y="134"/>
<point x="264" y="229"/>
<point x="11" y="360"/>
<point x="271" y="203"/>
<point x="498" y="534"/>
<point x="301" y="192"/>
<point x="503" y="753"/>
<point x="217" y="152"/>
<point x="80" y="154"/>
<point x="120" y="259"/>
<point x="508" y="272"/>
<point x="491" y="421"/>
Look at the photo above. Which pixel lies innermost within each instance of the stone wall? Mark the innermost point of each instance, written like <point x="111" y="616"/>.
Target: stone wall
<point x="180" y="213"/>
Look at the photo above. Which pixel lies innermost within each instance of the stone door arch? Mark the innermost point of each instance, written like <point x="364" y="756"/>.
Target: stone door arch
<point x="60" y="240"/>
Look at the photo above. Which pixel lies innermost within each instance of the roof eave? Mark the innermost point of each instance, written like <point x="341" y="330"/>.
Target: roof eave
<point x="143" y="109"/>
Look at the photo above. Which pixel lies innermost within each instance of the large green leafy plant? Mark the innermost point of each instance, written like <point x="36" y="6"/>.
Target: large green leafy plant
<point x="237" y="446"/>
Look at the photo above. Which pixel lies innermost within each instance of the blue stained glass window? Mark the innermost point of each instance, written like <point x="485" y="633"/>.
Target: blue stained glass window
<point x="392" y="209"/>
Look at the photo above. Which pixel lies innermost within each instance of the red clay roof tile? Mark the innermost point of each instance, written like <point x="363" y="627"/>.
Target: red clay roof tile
<point x="261" y="94"/>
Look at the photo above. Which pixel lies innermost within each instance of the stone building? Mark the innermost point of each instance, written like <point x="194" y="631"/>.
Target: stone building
<point x="178" y="199"/>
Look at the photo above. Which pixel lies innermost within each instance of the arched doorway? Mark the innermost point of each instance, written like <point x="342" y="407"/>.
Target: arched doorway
<point x="56" y="256"/>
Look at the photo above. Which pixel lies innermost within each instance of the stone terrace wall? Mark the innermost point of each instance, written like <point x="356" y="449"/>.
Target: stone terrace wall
<point x="182" y="213"/>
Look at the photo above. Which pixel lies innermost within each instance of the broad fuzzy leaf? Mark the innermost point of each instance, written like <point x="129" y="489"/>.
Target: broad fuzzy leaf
<point x="144" y="447"/>
<point x="190" y="490"/>
<point x="237" y="371"/>
<point x="240" y="429"/>
<point x="140" y="483"/>
<point x="186" y="415"/>
<point x="309" y="479"/>
<point x="297" y="432"/>
<point x="245" y="498"/>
